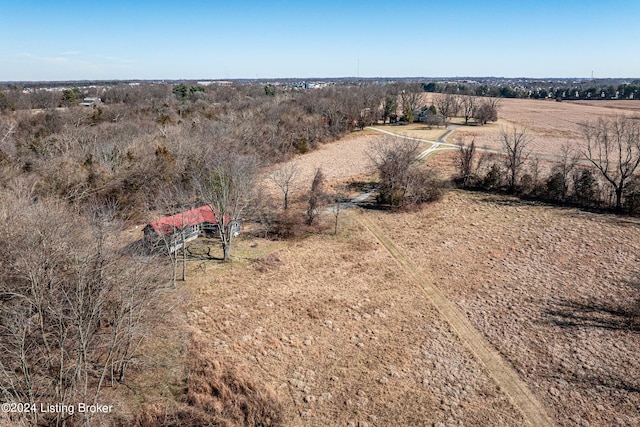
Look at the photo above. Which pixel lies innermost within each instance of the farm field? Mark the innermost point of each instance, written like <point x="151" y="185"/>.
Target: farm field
<point x="343" y="337"/>
<point x="554" y="290"/>
<point x="340" y="161"/>
<point x="550" y="124"/>
<point x="344" y="334"/>
<point x="415" y="130"/>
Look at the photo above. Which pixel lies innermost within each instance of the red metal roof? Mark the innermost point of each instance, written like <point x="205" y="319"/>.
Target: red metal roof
<point x="168" y="224"/>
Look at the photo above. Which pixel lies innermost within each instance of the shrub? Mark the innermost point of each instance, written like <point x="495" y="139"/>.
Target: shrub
<point x="632" y="195"/>
<point x="586" y="187"/>
<point x="290" y="224"/>
<point x="556" y="187"/>
<point x="527" y="185"/>
<point x="217" y="393"/>
<point x="402" y="179"/>
<point x="493" y="179"/>
<point x="424" y="187"/>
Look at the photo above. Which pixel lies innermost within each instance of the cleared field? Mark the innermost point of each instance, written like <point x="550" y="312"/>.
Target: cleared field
<point x="615" y="104"/>
<point x="549" y="123"/>
<point x="415" y="130"/>
<point x="340" y="161"/>
<point x="554" y="290"/>
<point x="344" y="334"/>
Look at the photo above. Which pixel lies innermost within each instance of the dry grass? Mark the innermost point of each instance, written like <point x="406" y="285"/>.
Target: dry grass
<point x="341" y="336"/>
<point x="624" y="105"/>
<point x="217" y="392"/>
<point x="549" y="123"/>
<point x="340" y="161"/>
<point x="415" y="130"/>
<point x="330" y="324"/>
<point x="554" y="290"/>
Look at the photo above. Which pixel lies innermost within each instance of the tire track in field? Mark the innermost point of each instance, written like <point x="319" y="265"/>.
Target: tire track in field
<point x="498" y="369"/>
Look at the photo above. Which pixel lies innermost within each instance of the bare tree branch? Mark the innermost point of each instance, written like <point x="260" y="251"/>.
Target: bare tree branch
<point x="613" y="148"/>
<point x="515" y="143"/>
<point x="283" y="178"/>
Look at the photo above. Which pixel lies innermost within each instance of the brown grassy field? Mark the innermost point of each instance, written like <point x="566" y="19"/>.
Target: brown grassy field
<point x="415" y="130"/>
<point x="340" y="161"/>
<point x="344" y="335"/>
<point x="554" y="290"/>
<point x="550" y="124"/>
<point x="341" y="330"/>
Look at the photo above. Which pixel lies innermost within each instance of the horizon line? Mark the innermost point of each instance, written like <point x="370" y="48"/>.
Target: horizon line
<point x="316" y="78"/>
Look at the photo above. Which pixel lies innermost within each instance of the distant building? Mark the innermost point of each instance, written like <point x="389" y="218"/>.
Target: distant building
<point x="91" y="101"/>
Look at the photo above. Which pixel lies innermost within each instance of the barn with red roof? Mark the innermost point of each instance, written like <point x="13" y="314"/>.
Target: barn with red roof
<point x="173" y="231"/>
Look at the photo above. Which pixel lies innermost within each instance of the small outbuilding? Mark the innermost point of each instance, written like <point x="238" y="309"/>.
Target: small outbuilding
<point x="172" y="232"/>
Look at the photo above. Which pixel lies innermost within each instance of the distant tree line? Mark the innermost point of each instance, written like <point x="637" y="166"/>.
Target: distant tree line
<point x="583" y="91"/>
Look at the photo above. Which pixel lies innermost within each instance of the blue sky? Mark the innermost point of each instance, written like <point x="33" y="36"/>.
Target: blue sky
<point x="116" y="39"/>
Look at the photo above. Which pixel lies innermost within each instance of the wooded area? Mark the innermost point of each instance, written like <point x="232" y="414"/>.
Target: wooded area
<point x="77" y="299"/>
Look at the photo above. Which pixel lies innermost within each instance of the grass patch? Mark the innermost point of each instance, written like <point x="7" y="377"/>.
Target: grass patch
<point x="415" y="130"/>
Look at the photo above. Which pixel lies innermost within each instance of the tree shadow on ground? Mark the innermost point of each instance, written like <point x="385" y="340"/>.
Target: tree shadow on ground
<point x="592" y="313"/>
<point x="606" y="315"/>
<point x="373" y="206"/>
<point x="505" y="198"/>
<point x="580" y="378"/>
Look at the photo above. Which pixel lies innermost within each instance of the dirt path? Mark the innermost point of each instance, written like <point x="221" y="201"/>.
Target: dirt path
<point x="504" y="375"/>
<point x="441" y="145"/>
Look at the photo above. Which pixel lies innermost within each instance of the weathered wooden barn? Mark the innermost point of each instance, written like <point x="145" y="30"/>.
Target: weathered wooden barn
<point x="171" y="232"/>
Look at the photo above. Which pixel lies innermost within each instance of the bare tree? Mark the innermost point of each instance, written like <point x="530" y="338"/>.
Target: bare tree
<point x="75" y="306"/>
<point x="515" y="142"/>
<point x="613" y="147"/>
<point x="393" y="158"/>
<point x="389" y="102"/>
<point x="7" y="132"/>
<point x="448" y="105"/>
<point x="486" y="110"/>
<point x="316" y="196"/>
<point x="411" y="100"/>
<point x="466" y="160"/>
<point x="7" y="147"/>
<point x="402" y="179"/>
<point x="227" y="185"/>
<point x="177" y="229"/>
<point x="469" y="105"/>
<point x="558" y="181"/>
<point x="283" y="178"/>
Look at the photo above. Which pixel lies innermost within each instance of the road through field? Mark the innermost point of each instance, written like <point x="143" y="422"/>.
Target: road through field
<point x="503" y="374"/>
<point x="441" y="145"/>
